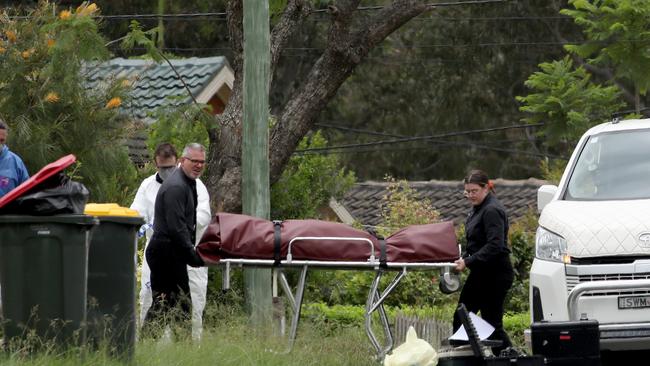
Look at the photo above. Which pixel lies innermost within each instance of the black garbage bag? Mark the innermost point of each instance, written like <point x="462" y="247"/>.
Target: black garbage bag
<point x="54" y="196"/>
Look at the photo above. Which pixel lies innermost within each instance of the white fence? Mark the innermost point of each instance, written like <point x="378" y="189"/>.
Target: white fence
<point x="429" y="329"/>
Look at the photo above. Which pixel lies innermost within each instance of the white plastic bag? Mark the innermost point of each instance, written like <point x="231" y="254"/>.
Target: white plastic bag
<point x="413" y="352"/>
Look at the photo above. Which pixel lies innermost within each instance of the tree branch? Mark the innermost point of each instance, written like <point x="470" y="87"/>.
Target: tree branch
<point x="388" y="20"/>
<point x="235" y="18"/>
<point x="341" y="13"/>
<point x="295" y="12"/>
<point x="345" y="50"/>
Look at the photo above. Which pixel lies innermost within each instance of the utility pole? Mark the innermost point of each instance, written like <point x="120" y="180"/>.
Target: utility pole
<point x="255" y="146"/>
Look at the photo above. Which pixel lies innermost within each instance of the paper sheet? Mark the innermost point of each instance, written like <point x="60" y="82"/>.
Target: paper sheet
<point x="483" y="329"/>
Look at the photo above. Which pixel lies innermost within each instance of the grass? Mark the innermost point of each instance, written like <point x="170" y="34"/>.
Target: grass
<point x="229" y="343"/>
<point x="327" y="339"/>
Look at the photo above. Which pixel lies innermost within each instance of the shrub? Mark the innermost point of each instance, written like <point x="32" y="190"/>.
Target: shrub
<point x="515" y="324"/>
<point x="180" y="125"/>
<point x="308" y="182"/>
<point x="47" y="102"/>
<point x="522" y="243"/>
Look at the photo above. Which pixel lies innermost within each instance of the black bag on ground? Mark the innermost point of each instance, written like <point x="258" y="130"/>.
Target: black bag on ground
<point x="56" y="195"/>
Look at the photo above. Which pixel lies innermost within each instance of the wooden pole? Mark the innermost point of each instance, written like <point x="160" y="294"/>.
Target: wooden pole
<point x="255" y="146"/>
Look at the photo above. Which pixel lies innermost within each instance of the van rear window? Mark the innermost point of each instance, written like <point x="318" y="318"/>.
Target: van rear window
<point x="612" y="166"/>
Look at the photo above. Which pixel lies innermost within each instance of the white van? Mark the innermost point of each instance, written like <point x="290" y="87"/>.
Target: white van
<point x="592" y="250"/>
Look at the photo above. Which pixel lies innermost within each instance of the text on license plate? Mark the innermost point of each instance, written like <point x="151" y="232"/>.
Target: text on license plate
<point x="633" y="302"/>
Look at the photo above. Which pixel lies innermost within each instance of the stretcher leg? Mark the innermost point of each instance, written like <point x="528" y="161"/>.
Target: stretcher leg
<point x="287" y="289"/>
<point x="297" y="305"/>
<point x="374" y="303"/>
<point x="368" y="315"/>
<point x="388" y="344"/>
<point x="391" y="286"/>
<point x="225" y="277"/>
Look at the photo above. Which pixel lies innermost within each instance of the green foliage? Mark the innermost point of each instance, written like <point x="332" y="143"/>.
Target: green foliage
<point x="45" y="100"/>
<point x="617" y="35"/>
<point x="335" y="318"/>
<point x="180" y="125"/>
<point x="417" y="288"/>
<point x="515" y="324"/>
<point x="403" y="206"/>
<point x="141" y="38"/>
<point x="522" y="243"/>
<point x="565" y="99"/>
<point x="552" y="170"/>
<point x="308" y="181"/>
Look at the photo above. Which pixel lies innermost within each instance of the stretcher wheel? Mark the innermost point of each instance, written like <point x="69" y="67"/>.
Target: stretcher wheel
<point x="449" y="283"/>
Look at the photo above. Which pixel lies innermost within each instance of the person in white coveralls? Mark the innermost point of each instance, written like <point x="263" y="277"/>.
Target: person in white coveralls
<point x="166" y="158"/>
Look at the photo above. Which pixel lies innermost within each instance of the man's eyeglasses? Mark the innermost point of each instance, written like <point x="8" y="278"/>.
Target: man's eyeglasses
<point x="196" y="161"/>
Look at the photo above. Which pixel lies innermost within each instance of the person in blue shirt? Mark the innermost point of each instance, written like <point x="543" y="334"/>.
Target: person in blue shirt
<point x="12" y="169"/>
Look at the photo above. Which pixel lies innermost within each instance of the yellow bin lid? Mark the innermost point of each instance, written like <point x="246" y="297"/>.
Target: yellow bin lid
<point x="109" y="209"/>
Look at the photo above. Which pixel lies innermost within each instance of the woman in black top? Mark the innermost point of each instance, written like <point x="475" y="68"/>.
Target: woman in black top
<point x="487" y="256"/>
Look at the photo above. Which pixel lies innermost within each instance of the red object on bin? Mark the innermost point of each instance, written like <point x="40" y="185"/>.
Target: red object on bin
<point x="36" y="179"/>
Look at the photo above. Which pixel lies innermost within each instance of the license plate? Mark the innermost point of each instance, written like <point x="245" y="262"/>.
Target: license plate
<point x="633" y="302"/>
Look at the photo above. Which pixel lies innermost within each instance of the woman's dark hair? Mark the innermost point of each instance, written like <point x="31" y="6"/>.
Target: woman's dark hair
<point x="479" y="177"/>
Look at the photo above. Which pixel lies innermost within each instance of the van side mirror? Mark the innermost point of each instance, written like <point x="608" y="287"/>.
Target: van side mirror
<point x="545" y="194"/>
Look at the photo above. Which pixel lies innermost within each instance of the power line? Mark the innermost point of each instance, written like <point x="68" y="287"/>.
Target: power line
<point x="434" y="144"/>
<point x="223" y="15"/>
<point x="386" y="134"/>
<point x="182" y="16"/>
<point x="422" y="138"/>
<point x="455" y="3"/>
<point x="385" y="61"/>
<point x="430" y="5"/>
<point x="482" y="19"/>
<point x="307" y="50"/>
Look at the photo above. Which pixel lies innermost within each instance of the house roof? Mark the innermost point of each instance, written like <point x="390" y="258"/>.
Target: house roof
<point x="155" y="84"/>
<point x="364" y="200"/>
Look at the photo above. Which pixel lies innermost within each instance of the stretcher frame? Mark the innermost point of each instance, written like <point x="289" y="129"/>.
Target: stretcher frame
<point x="376" y="295"/>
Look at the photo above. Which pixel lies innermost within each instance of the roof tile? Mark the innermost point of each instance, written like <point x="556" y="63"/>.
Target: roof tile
<point x="154" y="83"/>
<point x="364" y="200"/>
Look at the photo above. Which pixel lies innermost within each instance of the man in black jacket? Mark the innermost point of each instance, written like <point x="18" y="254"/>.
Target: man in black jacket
<point x="172" y="246"/>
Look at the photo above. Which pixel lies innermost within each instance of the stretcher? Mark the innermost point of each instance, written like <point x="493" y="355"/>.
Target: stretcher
<point x="237" y="241"/>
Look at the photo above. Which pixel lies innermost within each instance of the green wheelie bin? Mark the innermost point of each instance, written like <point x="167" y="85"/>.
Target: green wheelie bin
<point x="43" y="267"/>
<point x="112" y="266"/>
